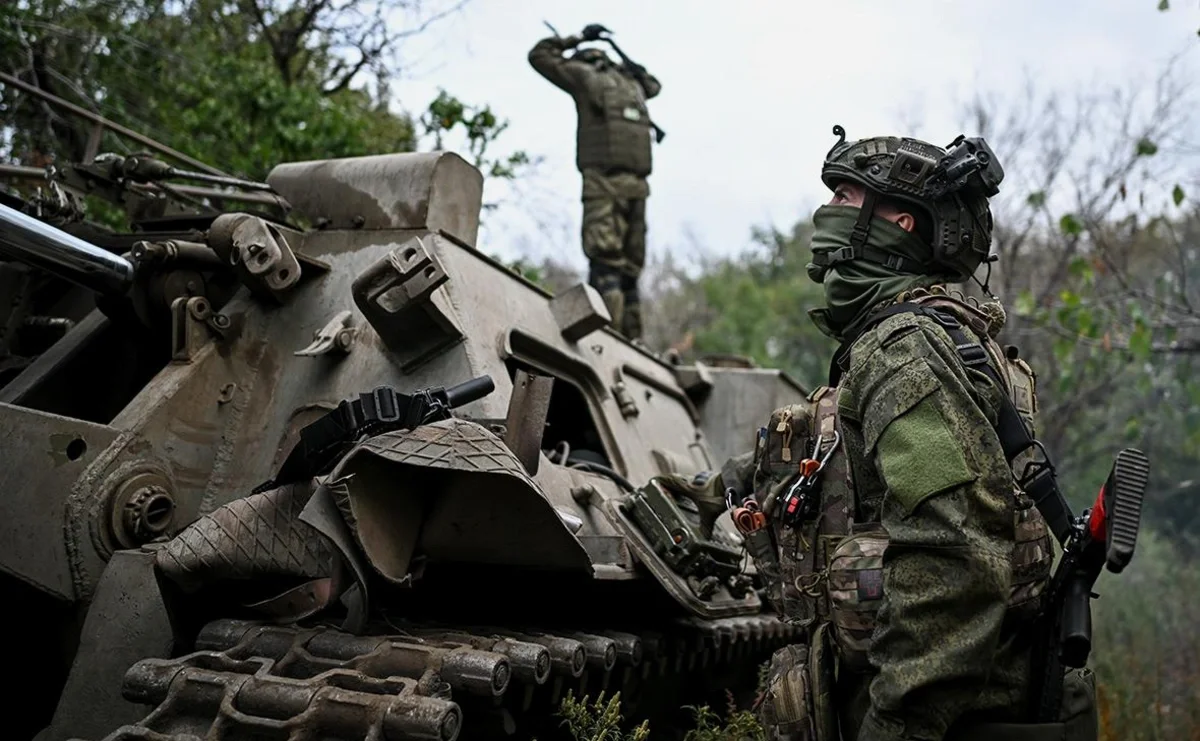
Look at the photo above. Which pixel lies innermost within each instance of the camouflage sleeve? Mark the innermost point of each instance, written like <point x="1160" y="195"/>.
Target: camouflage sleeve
<point x="650" y="84"/>
<point x="947" y="512"/>
<point x="547" y="58"/>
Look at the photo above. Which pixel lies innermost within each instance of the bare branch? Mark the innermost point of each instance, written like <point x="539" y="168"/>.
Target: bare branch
<point x="426" y="24"/>
<point x="344" y="81"/>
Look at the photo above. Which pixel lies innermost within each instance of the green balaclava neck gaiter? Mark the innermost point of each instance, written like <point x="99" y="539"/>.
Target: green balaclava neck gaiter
<point x="854" y="287"/>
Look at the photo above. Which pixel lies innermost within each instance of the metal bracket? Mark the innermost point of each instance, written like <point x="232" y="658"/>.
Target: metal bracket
<point x="396" y="296"/>
<point x="193" y="324"/>
<point x="526" y="422"/>
<point x="620" y="392"/>
<point x="336" y="336"/>
<point x="579" y="311"/>
<point x="257" y="251"/>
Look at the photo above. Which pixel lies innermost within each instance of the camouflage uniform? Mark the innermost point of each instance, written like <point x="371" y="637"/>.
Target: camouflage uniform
<point x="613" y="155"/>
<point x="917" y="565"/>
<point x="966" y="557"/>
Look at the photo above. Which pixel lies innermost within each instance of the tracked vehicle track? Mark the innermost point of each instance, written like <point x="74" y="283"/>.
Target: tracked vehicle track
<point x="257" y="681"/>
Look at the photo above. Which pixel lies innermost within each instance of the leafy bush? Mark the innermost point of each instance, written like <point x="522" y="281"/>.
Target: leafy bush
<point x="601" y="721"/>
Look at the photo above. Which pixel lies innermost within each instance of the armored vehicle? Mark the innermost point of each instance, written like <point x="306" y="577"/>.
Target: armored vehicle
<point x="297" y="460"/>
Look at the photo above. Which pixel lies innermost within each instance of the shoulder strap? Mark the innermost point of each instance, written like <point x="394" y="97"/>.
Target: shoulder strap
<point x="1038" y="480"/>
<point x="837" y="363"/>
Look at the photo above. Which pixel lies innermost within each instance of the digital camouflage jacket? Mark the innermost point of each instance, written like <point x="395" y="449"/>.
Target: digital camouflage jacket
<point x="954" y="630"/>
<point x="935" y="619"/>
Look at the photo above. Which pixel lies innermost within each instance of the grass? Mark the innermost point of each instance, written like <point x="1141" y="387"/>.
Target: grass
<point x="1146" y="655"/>
<point x="1146" y="646"/>
<point x="601" y="721"/>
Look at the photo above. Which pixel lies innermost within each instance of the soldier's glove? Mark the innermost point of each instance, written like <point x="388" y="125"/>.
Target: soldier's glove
<point x="592" y="32"/>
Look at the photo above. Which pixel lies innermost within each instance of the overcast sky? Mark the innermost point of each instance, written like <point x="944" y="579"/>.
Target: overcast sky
<point x="751" y="91"/>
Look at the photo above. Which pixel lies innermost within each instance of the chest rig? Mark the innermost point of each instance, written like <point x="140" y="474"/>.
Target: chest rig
<point x="819" y="496"/>
<point x="614" y="129"/>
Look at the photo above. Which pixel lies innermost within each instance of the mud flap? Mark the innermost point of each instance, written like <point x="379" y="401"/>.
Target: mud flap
<point x="449" y="491"/>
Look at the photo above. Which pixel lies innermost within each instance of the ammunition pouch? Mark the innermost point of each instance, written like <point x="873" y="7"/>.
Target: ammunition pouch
<point x="1078" y="718"/>
<point x="801" y="593"/>
<point x="797" y="703"/>
<point x="788" y="437"/>
<point x="856" y="592"/>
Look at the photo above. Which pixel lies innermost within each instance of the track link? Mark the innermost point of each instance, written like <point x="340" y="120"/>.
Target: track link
<point x="420" y="681"/>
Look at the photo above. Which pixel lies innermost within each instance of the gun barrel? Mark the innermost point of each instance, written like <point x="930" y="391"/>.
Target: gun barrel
<point x="36" y="243"/>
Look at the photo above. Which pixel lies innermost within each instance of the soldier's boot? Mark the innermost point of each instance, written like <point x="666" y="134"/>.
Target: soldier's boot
<point x="607" y="283"/>
<point x="631" y="321"/>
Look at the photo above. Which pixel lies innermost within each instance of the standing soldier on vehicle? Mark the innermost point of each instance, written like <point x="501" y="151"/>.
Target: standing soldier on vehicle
<point x="613" y="154"/>
<point x="896" y="533"/>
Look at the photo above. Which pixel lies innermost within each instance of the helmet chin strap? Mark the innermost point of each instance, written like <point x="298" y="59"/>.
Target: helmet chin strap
<point x="862" y="227"/>
<point x="987" y="278"/>
<point x="857" y="249"/>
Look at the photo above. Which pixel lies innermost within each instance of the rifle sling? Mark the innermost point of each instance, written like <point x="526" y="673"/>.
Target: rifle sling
<point x="381" y="410"/>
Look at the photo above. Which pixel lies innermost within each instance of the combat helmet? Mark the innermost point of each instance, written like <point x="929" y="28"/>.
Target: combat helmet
<point x="950" y="186"/>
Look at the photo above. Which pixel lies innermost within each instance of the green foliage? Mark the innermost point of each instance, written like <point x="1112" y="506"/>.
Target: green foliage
<point x="241" y="85"/>
<point x="1036" y="199"/>
<point x="601" y="721"/>
<point x="447" y="114"/>
<point x="738" y="725"/>
<point x="1024" y="304"/>
<point x="1177" y="195"/>
<point x="198" y="76"/>
<point x="1146" y="148"/>
<point x="754" y="304"/>
<point x="529" y="271"/>
<point x="1146" y="651"/>
<point x="1070" y="225"/>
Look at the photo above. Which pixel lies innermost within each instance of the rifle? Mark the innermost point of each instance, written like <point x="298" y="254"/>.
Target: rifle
<point x="636" y="69"/>
<point x="1103" y="536"/>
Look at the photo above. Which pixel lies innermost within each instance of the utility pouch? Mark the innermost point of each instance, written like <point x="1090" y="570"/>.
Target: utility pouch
<point x="786" y="712"/>
<point x="762" y="550"/>
<point x="823" y="672"/>
<point x="1080" y="717"/>
<point x="856" y="591"/>
<point x="789" y="437"/>
<point x="800" y="587"/>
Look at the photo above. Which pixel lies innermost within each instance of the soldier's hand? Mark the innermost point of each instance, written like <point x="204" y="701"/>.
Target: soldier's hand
<point x="592" y="31"/>
<point x="572" y="41"/>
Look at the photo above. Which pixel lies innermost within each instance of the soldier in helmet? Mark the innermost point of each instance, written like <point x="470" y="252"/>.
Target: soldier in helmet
<point x="897" y="533"/>
<point x="613" y="154"/>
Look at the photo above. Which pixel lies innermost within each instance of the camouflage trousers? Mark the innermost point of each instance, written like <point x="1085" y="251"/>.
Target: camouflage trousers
<point x="614" y="241"/>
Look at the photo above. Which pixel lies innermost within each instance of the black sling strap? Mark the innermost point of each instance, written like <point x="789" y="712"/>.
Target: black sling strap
<point x="1038" y="479"/>
<point x="385" y="409"/>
